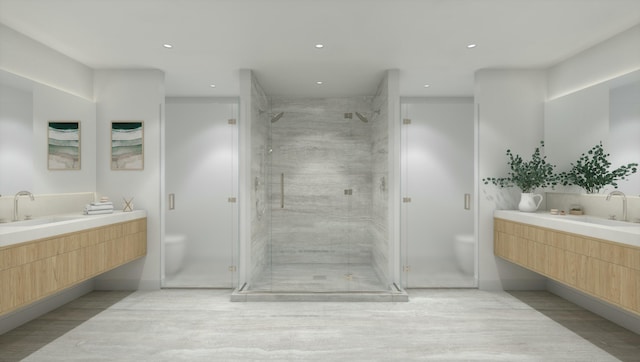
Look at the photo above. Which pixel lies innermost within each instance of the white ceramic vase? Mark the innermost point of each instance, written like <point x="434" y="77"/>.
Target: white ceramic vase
<point x="528" y="202"/>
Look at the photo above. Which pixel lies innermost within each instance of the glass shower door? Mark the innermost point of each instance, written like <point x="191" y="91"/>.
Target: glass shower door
<point x="437" y="181"/>
<point x="321" y="186"/>
<point x="309" y="229"/>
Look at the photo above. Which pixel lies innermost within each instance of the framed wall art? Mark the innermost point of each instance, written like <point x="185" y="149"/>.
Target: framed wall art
<point x="63" y="145"/>
<point x="127" y="145"/>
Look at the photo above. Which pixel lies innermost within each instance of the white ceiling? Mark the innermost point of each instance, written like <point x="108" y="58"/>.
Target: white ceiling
<point x="425" y="39"/>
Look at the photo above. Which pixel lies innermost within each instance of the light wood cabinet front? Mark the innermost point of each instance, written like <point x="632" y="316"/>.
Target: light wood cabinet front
<point x="36" y="269"/>
<point x="601" y="268"/>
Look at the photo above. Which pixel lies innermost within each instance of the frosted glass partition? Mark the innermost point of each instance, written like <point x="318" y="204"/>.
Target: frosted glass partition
<point x="201" y="168"/>
<point x="438" y="242"/>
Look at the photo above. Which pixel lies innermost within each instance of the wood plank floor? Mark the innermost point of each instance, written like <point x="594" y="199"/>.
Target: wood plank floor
<point x="436" y="325"/>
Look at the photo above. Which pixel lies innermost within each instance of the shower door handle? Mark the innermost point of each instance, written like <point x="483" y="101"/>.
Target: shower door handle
<point x="282" y="190"/>
<point x="172" y="201"/>
<point x="467" y="201"/>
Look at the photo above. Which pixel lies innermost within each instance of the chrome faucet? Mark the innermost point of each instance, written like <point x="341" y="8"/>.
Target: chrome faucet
<point x="624" y="202"/>
<point x="15" y="202"/>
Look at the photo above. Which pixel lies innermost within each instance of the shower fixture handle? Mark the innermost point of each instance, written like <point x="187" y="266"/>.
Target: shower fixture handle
<point x="282" y="190"/>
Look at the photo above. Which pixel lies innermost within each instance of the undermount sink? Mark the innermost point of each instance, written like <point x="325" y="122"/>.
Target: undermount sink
<point x="604" y="222"/>
<point x="40" y="221"/>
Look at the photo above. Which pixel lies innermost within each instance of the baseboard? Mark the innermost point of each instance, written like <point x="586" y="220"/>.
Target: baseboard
<point x="608" y="311"/>
<point x="34" y="310"/>
<point x="126" y="284"/>
<point x="512" y="284"/>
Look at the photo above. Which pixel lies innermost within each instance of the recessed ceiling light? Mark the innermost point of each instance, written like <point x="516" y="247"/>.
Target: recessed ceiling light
<point x="471" y="46"/>
<point x="168" y="46"/>
<point x="427" y="85"/>
<point x="319" y="82"/>
<point x="319" y="46"/>
<point x="212" y="85"/>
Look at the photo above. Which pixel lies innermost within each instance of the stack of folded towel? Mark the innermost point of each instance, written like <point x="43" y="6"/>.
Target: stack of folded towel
<point x="95" y="208"/>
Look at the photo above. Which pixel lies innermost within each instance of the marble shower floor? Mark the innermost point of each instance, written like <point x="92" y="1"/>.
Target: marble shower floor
<point x="202" y="325"/>
<point x="319" y="277"/>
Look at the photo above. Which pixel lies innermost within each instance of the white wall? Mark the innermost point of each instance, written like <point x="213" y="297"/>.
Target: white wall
<point x="614" y="57"/>
<point x="244" y="175"/>
<point x="28" y="58"/>
<point x="510" y="115"/>
<point x="134" y="95"/>
<point x="394" y="167"/>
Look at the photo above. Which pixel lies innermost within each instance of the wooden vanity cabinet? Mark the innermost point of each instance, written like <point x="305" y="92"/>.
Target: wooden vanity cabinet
<point x="604" y="269"/>
<point x="33" y="270"/>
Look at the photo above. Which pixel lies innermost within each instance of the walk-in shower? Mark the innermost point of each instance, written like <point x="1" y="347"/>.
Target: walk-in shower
<point x="319" y="200"/>
<point x="319" y="195"/>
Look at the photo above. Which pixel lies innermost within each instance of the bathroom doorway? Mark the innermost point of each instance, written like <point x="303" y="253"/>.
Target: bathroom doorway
<point x="437" y="231"/>
<point x="200" y="241"/>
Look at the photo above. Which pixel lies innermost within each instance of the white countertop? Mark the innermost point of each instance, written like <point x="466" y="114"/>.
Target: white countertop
<point x="67" y="223"/>
<point x="625" y="233"/>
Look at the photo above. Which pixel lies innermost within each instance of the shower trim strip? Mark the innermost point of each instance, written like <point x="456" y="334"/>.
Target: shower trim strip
<point x="282" y="190"/>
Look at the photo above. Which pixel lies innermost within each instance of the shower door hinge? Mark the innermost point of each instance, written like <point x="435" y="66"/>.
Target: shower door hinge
<point x="406" y="199"/>
<point x="406" y="121"/>
<point x="232" y="121"/>
<point x="233" y="268"/>
<point x="406" y="268"/>
<point x="231" y="200"/>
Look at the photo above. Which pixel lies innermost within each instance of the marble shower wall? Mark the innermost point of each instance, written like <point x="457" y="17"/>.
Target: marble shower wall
<point x="260" y="212"/>
<point x="321" y="154"/>
<point x="379" y="230"/>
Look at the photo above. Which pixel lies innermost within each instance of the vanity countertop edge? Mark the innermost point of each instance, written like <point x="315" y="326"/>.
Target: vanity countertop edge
<point x="629" y="235"/>
<point x="14" y="235"/>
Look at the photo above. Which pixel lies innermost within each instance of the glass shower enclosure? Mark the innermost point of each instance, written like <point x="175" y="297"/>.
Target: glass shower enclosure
<point x="319" y="197"/>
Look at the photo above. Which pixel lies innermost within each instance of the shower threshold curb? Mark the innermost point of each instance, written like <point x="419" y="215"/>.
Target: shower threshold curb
<point x="401" y="296"/>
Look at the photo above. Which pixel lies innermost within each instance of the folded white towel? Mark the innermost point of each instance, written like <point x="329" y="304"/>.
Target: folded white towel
<point x="98" y="212"/>
<point x="98" y="207"/>
<point x="102" y="203"/>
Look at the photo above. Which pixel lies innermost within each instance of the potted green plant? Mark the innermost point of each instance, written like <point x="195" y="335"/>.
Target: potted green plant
<point x="591" y="171"/>
<point x="528" y="176"/>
